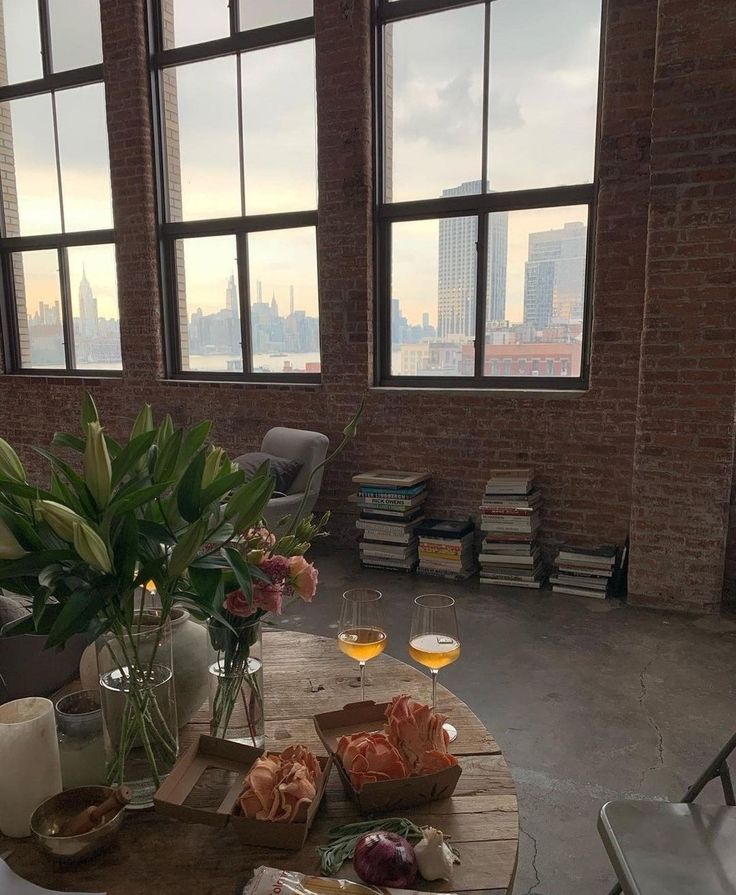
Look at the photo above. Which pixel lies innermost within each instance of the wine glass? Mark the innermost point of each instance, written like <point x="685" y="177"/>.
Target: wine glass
<point x="361" y="634"/>
<point x="434" y="640"/>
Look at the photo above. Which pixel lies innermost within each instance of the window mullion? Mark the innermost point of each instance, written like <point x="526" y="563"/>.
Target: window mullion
<point x="485" y="186"/>
<point x="57" y="156"/>
<point x="67" y="318"/>
<point x="244" y="302"/>
<point x="44" y="21"/>
<point x="481" y="285"/>
<point x="234" y="10"/>
<point x="241" y="138"/>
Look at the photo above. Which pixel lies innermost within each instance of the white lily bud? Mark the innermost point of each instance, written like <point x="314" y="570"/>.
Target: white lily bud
<point x="97" y="466"/>
<point x="10" y="465"/>
<point x="9" y="546"/>
<point x="212" y="466"/>
<point x="61" y="519"/>
<point x="90" y="546"/>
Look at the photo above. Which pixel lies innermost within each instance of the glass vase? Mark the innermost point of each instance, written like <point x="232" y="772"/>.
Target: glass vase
<point x="138" y="708"/>
<point x="236" y="683"/>
<point x="81" y="744"/>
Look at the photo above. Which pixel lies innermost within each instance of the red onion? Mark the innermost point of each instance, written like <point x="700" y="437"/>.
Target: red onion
<point x="385" y="859"/>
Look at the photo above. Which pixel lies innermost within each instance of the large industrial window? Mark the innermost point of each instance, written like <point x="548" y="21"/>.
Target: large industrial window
<point x="486" y="174"/>
<point x="59" y="292"/>
<point x="235" y="87"/>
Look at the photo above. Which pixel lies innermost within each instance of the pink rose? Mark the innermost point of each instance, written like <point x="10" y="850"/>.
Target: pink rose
<point x="303" y="577"/>
<point x="268" y="596"/>
<point x="237" y="603"/>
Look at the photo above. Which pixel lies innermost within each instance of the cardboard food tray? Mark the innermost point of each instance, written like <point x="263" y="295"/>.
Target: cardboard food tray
<point x="386" y="795"/>
<point x="211" y="752"/>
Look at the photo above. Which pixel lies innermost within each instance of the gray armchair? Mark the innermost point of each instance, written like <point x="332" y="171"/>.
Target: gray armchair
<point x="296" y="444"/>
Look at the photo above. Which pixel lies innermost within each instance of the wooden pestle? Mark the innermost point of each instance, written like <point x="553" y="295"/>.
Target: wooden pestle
<point x="94" y="815"/>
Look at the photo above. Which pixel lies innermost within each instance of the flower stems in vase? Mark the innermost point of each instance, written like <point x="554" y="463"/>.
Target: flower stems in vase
<point x="236" y="682"/>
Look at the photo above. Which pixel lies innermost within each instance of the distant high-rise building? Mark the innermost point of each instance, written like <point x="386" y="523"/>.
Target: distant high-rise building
<point x="231" y="297"/>
<point x="425" y="320"/>
<point x="291" y="300"/>
<point x="457" y="269"/>
<point x="88" y="316"/>
<point x="554" y="277"/>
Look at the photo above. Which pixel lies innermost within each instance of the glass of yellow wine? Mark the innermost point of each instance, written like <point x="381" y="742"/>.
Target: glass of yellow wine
<point x="361" y="633"/>
<point x="434" y="640"/>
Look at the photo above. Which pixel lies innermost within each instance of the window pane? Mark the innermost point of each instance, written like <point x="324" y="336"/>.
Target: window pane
<point x="38" y="301"/>
<point x="209" y="308"/>
<point x="28" y="167"/>
<point x="433" y="101"/>
<point x="22" y="41"/>
<point x="284" y="308"/>
<point x="433" y="279"/>
<point x="280" y="150"/>
<point x="543" y="92"/>
<point x="85" y="166"/>
<point x="257" y="13"/>
<point x="543" y="265"/>
<point x="193" y="21"/>
<point x="203" y="163"/>
<point x="75" y="33"/>
<point x="94" y="289"/>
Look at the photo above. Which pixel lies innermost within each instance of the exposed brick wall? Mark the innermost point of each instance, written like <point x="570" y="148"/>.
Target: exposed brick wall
<point x="583" y="447"/>
<point x="683" y="463"/>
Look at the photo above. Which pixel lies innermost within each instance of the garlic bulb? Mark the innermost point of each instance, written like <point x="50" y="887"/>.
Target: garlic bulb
<point x="434" y="856"/>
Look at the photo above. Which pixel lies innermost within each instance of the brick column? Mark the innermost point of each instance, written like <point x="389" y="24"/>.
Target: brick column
<point x="344" y="235"/>
<point x="127" y="86"/>
<point x="684" y="451"/>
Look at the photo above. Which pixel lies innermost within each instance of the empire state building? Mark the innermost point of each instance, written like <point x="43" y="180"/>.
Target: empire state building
<point x="88" y="316"/>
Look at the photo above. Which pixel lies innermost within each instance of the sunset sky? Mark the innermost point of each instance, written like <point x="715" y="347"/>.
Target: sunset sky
<point x="543" y="81"/>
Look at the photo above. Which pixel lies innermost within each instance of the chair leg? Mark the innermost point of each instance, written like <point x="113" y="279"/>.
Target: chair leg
<point x="727" y="784"/>
<point x="616" y="890"/>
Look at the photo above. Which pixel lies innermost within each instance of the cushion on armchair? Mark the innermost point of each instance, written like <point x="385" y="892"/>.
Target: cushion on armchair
<point x="284" y="469"/>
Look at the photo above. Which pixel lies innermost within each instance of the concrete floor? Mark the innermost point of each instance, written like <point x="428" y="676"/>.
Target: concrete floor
<point x="588" y="701"/>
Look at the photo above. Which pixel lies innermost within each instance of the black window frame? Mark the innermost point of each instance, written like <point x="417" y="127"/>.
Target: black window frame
<point x="49" y="83"/>
<point x="480" y="205"/>
<point x="169" y="231"/>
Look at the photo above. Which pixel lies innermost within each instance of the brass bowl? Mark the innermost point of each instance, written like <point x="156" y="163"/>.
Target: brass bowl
<point x="51" y="815"/>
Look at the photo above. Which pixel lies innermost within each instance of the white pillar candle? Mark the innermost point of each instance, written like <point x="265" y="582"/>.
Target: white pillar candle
<point x="30" y="771"/>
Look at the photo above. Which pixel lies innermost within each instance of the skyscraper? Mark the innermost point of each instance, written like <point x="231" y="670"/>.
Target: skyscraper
<point x="457" y="269"/>
<point x="88" y="317"/>
<point x="554" y="276"/>
<point x="231" y="297"/>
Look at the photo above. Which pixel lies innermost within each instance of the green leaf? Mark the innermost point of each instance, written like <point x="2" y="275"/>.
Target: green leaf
<point x="168" y="455"/>
<point x="246" y="504"/>
<point x="192" y="440"/>
<point x="241" y="569"/>
<point x="39" y="605"/>
<point x="189" y="490"/>
<point x="32" y="564"/>
<point x="18" y="489"/>
<point x="136" y="499"/>
<point x="62" y="493"/>
<point x="75" y="480"/>
<point x="113" y="447"/>
<point x="130" y="455"/>
<point x="125" y="548"/>
<point x="221" y="486"/>
<point x="205" y="581"/>
<point x="67" y="440"/>
<point x="23" y="531"/>
<point x="88" y="413"/>
<point x="76" y="614"/>
<point x="153" y="531"/>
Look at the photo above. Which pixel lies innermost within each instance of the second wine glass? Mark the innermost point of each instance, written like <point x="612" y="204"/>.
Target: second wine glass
<point x="361" y="634"/>
<point x="434" y="640"/>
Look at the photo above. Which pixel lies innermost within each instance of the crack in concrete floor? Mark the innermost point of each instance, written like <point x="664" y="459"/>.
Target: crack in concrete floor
<point x="643" y="694"/>
<point x="535" y="869"/>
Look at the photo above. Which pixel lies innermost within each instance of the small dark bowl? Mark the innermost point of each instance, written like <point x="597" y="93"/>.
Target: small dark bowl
<point x="51" y="815"/>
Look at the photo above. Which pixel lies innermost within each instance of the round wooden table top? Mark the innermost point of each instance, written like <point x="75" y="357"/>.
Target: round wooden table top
<point x="306" y="675"/>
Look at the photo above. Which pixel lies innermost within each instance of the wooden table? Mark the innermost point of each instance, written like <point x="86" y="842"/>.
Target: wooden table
<point x="305" y="675"/>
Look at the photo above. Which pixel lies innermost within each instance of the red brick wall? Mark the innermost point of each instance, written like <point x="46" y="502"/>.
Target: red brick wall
<point x="584" y="447"/>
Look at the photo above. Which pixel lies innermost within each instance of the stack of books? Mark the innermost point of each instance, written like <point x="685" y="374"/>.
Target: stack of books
<point x="390" y="510"/>
<point x="447" y="548"/>
<point x="510" y="517"/>
<point x="585" y="571"/>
